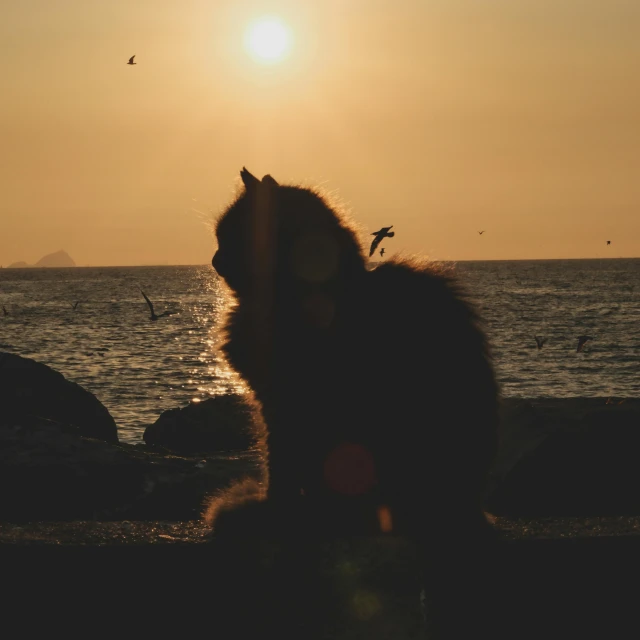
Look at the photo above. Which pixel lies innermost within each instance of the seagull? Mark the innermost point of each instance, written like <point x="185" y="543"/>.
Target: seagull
<point x="581" y="341"/>
<point x="379" y="235"/>
<point x="131" y="59"/>
<point x="153" y="315"/>
<point x="480" y="232"/>
<point x="608" y="241"/>
<point x="540" y="341"/>
<point x="381" y="252"/>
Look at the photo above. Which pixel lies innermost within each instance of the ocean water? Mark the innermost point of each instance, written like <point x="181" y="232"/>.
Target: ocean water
<point x="139" y="368"/>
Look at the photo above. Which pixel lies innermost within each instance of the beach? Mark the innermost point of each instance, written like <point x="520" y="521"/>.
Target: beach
<point x="562" y="495"/>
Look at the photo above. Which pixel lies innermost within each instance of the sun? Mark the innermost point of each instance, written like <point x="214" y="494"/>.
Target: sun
<point x="268" y="40"/>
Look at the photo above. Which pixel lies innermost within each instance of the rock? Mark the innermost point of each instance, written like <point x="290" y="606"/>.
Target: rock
<point x="31" y="389"/>
<point x="221" y="423"/>
<point x="60" y="458"/>
<point x="48" y="472"/>
<point x="57" y="259"/>
<point x="526" y="422"/>
<point x="590" y="466"/>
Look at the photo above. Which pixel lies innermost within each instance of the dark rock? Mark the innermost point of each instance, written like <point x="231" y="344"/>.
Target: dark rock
<point x="588" y="466"/>
<point x="526" y="422"/>
<point x="48" y="472"/>
<point x="31" y="389"/>
<point x="221" y="423"/>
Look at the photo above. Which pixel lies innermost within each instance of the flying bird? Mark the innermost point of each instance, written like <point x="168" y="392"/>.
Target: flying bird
<point x="608" y="241"/>
<point x="379" y="235"/>
<point x="581" y="342"/>
<point x="540" y="341"/>
<point x="382" y="252"/>
<point x="153" y="315"/>
<point x="131" y="59"/>
<point x="75" y="304"/>
<point x="480" y="232"/>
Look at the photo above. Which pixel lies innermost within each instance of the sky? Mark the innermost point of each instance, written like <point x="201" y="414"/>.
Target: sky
<point x="440" y="117"/>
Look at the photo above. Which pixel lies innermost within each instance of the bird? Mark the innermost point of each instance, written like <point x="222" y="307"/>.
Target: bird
<point x="382" y="252"/>
<point x="581" y="341"/>
<point x="131" y="59"/>
<point x="481" y="232"/>
<point x="153" y="315"/>
<point x="4" y="310"/>
<point x="540" y="341"/>
<point x="608" y="241"/>
<point x="379" y="235"/>
<point x="75" y="304"/>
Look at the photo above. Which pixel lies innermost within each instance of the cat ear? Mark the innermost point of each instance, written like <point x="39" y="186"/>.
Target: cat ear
<point x="251" y="183"/>
<point x="269" y="181"/>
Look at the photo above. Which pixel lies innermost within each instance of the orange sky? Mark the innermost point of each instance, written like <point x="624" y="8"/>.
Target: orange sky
<point x="441" y="117"/>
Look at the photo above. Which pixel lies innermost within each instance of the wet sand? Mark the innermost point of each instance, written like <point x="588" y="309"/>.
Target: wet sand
<point x="139" y="533"/>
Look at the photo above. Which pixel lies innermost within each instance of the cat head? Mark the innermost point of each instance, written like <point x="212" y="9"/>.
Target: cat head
<point x="284" y="237"/>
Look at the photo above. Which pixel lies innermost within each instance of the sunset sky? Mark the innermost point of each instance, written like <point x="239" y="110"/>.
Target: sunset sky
<point x="440" y="117"/>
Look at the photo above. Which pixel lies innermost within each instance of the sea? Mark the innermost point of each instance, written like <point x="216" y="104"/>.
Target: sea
<point x="138" y="368"/>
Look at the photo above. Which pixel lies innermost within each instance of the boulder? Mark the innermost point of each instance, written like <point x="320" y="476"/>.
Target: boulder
<point x="590" y="467"/>
<point x="525" y="422"/>
<point x="222" y="423"/>
<point x="31" y="389"/>
<point x="48" y="472"/>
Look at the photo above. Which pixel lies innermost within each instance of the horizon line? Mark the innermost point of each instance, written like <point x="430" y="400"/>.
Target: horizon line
<point x="205" y="264"/>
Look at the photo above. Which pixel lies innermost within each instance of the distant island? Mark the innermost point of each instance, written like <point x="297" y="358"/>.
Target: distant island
<point x="58" y="259"/>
